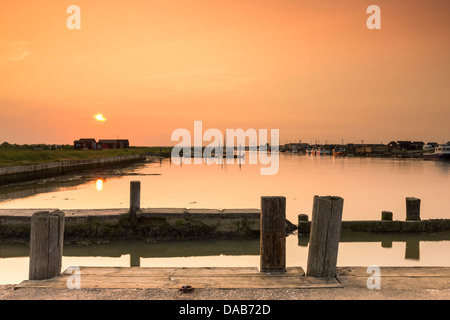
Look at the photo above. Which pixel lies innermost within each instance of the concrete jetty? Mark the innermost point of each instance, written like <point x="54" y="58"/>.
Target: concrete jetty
<point x="92" y="225"/>
<point x="272" y="274"/>
<point x="146" y="224"/>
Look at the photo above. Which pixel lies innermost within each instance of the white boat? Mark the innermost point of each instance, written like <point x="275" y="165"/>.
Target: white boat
<point x="428" y="148"/>
<point x="441" y="152"/>
<point x="324" y="152"/>
<point x="339" y="152"/>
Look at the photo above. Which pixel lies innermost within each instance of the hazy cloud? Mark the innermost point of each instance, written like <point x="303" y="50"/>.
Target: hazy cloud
<point x="14" y="51"/>
<point x="200" y="78"/>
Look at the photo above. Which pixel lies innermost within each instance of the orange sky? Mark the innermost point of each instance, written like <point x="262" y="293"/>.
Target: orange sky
<point x="309" y="68"/>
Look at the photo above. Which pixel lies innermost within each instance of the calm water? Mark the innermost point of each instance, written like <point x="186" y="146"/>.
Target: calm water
<point x="368" y="186"/>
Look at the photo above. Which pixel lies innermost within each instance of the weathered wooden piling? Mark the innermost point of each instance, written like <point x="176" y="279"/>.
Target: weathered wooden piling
<point x="135" y="196"/>
<point x="386" y="216"/>
<point x="302" y="217"/>
<point x="273" y="234"/>
<point x="46" y="244"/>
<point x="412" y="209"/>
<point x="324" y="236"/>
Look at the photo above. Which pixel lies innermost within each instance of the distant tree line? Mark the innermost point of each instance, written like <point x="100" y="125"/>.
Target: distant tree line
<point x="7" y="145"/>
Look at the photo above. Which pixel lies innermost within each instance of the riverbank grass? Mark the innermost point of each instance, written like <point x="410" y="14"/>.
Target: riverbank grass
<point x="24" y="157"/>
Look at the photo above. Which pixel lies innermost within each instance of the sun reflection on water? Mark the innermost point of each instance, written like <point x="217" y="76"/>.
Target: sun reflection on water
<point x="99" y="184"/>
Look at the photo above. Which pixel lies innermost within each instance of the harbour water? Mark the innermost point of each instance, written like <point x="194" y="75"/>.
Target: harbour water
<point x="368" y="186"/>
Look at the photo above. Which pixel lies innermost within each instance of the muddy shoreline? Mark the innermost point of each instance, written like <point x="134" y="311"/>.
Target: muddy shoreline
<point x="9" y="175"/>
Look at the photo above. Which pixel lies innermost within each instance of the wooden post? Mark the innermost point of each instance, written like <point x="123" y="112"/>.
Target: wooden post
<point x="324" y="236"/>
<point x="46" y="244"/>
<point x="386" y="216"/>
<point x="412" y="209"/>
<point x="135" y="196"/>
<point x="273" y="234"/>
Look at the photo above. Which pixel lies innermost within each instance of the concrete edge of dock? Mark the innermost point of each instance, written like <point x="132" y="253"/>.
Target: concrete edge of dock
<point x="183" y="224"/>
<point x="146" y="224"/>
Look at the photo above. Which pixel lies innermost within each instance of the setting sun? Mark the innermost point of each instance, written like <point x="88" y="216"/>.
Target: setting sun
<point x="99" y="117"/>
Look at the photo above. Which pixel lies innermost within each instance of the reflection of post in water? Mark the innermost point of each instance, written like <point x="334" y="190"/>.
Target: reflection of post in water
<point x="239" y="156"/>
<point x="412" y="250"/>
<point x="138" y="249"/>
<point x="386" y="243"/>
<point x="411" y="240"/>
<point x="135" y="260"/>
<point x="303" y="241"/>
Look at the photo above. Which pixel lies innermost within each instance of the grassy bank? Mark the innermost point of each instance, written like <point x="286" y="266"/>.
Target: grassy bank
<point x="13" y="156"/>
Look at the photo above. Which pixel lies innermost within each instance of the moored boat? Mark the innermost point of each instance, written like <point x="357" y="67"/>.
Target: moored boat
<point x="339" y="152"/>
<point x="324" y="152"/>
<point x="441" y="152"/>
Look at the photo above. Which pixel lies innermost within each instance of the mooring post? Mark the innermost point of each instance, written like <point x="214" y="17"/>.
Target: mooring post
<point x="303" y="218"/>
<point x="273" y="234"/>
<point x="324" y="236"/>
<point x="46" y="244"/>
<point x="135" y="196"/>
<point x="412" y="209"/>
<point x="386" y="216"/>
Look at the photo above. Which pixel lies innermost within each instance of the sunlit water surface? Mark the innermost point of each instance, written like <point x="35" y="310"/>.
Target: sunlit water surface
<point x="368" y="186"/>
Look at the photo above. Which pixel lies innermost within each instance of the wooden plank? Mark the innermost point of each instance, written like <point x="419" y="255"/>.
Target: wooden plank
<point x="174" y="278"/>
<point x="396" y="271"/>
<point x="412" y="278"/>
<point x="147" y="271"/>
<point x="182" y="272"/>
<point x="241" y="281"/>
<point x="224" y="282"/>
<point x="399" y="282"/>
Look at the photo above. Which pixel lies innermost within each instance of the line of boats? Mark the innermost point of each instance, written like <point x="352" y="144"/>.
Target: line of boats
<point x="441" y="152"/>
<point x="327" y="152"/>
